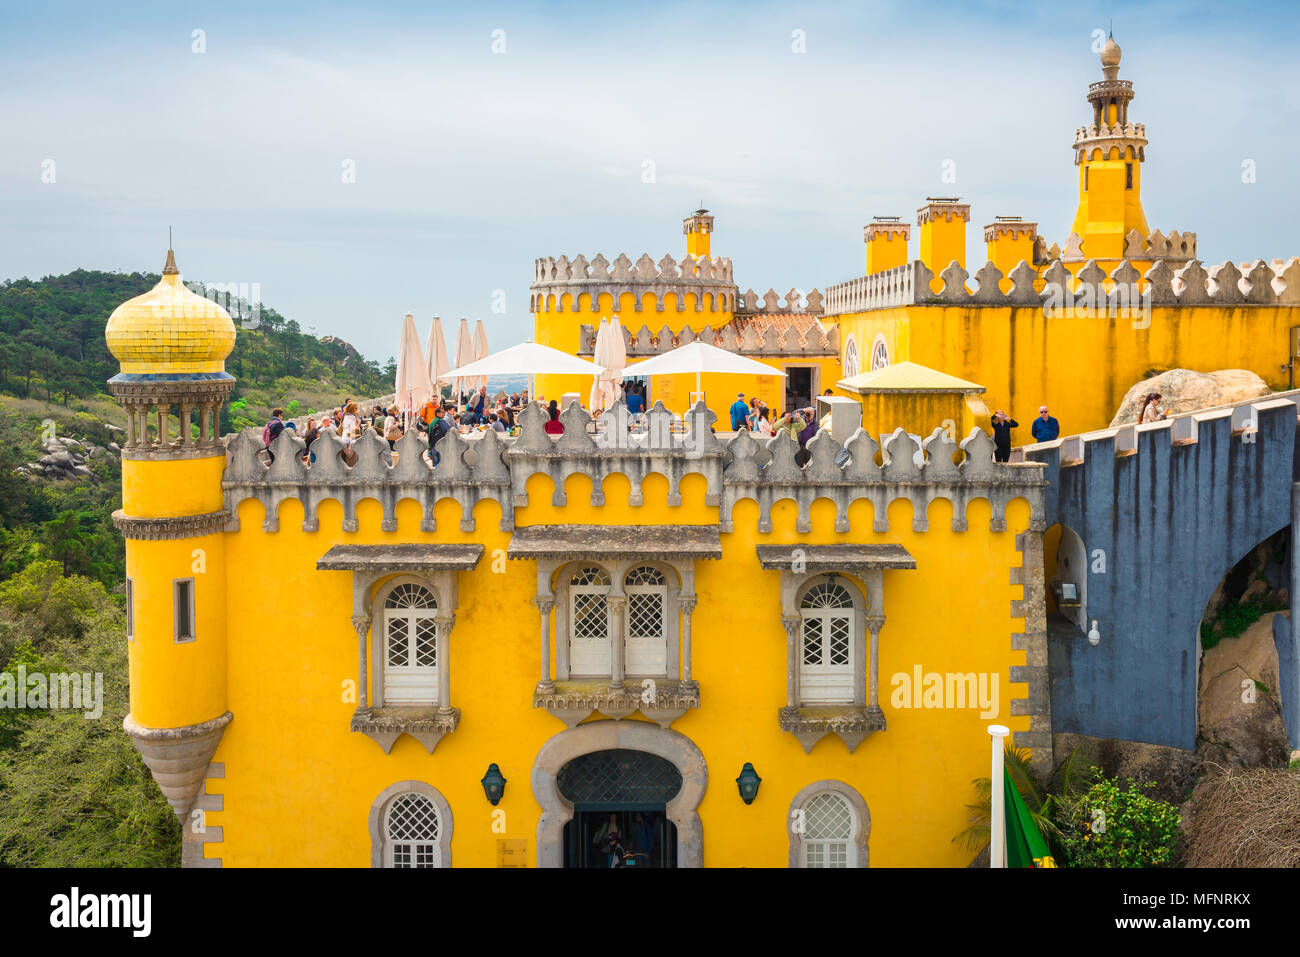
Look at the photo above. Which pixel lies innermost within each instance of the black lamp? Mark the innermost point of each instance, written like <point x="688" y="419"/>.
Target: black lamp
<point x="494" y="785"/>
<point x="748" y="783"/>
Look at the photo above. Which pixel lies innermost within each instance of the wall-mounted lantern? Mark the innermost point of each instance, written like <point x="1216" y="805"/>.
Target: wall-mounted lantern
<point x="748" y="783"/>
<point x="494" y="785"/>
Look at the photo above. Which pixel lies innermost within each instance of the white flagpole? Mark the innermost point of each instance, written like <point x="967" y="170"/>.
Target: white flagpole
<point x="997" y="801"/>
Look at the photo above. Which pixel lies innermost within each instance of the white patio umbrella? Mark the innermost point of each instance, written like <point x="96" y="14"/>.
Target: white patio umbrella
<point x="464" y="356"/>
<point x="413" y="386"/>
<point x="699" y="357"/>
<point x="527" y="358"/>
<point x="480" y="352"/>
<point x="604" y="390"/>
<point x="436" y="353"/>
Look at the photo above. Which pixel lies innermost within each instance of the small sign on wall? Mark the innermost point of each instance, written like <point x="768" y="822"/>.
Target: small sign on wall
<point x="512" y="853"/>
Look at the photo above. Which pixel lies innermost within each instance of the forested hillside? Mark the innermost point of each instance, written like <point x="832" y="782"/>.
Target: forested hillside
<point x="73" y="789"/>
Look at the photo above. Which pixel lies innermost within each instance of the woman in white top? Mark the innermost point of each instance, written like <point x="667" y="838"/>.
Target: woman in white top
<point x="762" y="424"/>
<point x="351" y="429"/>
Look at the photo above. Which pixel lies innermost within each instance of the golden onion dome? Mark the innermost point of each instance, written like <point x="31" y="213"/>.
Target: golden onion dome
<point x="170" y="330"/>
<point x="1110" y="53"/>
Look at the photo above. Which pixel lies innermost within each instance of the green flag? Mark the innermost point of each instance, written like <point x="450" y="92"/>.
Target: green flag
<point x="1025" y="844"/>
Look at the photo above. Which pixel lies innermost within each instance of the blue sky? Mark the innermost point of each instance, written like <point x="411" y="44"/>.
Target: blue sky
<point x="469" y="163"/>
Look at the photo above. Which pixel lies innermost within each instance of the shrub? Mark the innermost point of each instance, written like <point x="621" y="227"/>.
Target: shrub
<point x="1107" y="827"/>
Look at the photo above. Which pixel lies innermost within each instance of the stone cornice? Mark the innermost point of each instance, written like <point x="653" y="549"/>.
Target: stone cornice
<point x="161" y="529"/>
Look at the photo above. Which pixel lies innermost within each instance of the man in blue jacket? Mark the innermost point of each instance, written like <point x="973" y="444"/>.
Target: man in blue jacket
<point x="1045" y="427"/>
<point x="739" y="412"/>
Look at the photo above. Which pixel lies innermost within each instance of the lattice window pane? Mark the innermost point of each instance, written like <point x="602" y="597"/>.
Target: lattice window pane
<point x="590" y="575"/>
<point x="826" y="595"/>
<point x="619" y="776"/>
<point x="645" y="615"/>
<point x="401" y="855"/>
<point x="815" y="855"/>
<point x="412" y="817"/>
<point x="828" y="817"/>
<point x="812" y="641"/>
<point x="408" y="595"/>
<point x="398" y="630"/>
<point x="838" y="854"/>
<point x="426" y="643"/>
<point x="645" y="575"/>
<point x="838" y="629"/>
<point x="424" y="855"/>
<point x="590" y="622"/>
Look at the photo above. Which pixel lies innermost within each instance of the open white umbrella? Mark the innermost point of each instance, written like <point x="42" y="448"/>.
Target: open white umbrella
<point x="480" y="352"/>
<point x="527" y="358"/>
<point x="697" y="357"/>
<point x="413" y="386"/>
<point x="464" y="356"/>
<point x="436" y="353"/>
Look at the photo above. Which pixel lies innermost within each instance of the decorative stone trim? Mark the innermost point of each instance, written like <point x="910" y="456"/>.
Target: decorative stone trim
<point x="196" y="833"/>
<point x="386" y="725"/>
<point x="377" y="836"/>
<point x="682" y="810"/>
<point x="161" y="529"/>
<point x="178" y="758"/>
<point x="810" y="724"/>
<point x="661" y="700"/>
<point x="1033" y="641"/>
<point x="709" y="280"/>
<point x="861" y="835"/>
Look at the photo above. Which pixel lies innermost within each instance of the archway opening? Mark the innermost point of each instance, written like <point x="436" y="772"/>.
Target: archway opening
<point x="620" y="798"/>
<point x="1065" y="568"/>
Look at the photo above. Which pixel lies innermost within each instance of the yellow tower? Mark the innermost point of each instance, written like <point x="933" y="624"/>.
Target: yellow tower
<point x="942" y="221"/>
<point x="1109" y="154"/>
<point x="886" y="238"/>
<point x="1010" y="239"/>
<point x="698" y="227"/>
<point x="172" y="345"/>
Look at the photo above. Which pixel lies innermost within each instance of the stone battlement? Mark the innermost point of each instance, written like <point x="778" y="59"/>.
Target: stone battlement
<point x="489" y="467"/>
<point x="709" y="280"/>
<point x="1177" y="430"/>
<point x="1163" y="284"/>
<point x="760" y="336"/>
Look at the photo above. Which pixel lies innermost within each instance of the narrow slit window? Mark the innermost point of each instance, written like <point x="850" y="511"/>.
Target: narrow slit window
<point x="1085" y="179"/>
<point x="130" y="612"/>
<point x="1128" y="175"/>
<point x="184" y="600"/>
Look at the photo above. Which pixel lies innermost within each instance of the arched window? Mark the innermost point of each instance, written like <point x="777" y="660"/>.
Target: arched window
<point x="828" y="831"/>
<point x="829" y="826"/>
<point x="879" y="353"/>
<point x="851" y="360"/>
<point x="410" y="646"/>
<point x="411" y="832"/>
<point x="647" y="632"/>
<point x="826" y="656"/>
<point x="590" y="652"/>
<point x="410" y="826"/>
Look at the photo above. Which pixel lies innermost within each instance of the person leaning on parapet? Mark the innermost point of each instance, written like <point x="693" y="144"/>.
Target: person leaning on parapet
<point x="739" y="411"/>
<point x="1002" y="426"/>
<point x="274" y="426"/>
<point x="1045" y="427"/>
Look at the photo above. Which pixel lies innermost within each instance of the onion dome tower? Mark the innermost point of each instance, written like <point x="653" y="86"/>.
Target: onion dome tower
<point x="172" y="344"/>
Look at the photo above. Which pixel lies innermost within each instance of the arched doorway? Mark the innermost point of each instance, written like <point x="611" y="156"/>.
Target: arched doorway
<point x="1065" y="566"/>
<point x="620" y="799"/>
<point x="680" y="811"/>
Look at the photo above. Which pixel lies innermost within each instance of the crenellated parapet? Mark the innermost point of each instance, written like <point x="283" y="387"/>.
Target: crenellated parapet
<point x="1166" y="283"/>
<point x="759" y="335"/>
<point x="750" y="303"/>
<point x="708" y="280"/>
<point x="1097" y="140"/>
<point x="497" y="469"/>
<point x="1175" y="246"/>
<point x="863" y="469"/>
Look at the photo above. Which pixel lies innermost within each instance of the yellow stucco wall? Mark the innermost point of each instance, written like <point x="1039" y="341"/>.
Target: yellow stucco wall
<point x="298" y="785"/>
<point x="1081" y="365"/>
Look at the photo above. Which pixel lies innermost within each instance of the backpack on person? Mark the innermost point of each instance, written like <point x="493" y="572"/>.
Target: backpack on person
<point x="272" y="430"/>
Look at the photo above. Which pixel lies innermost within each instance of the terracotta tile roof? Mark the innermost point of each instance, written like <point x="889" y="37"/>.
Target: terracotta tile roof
<point x="775" y="324"/>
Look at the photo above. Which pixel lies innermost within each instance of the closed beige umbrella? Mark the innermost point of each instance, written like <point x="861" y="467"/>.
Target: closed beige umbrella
<point x="464" y="356"/>
<point x="480" y="351"/>
<point x="413" y="386"/>
<point x="436" y="354"/>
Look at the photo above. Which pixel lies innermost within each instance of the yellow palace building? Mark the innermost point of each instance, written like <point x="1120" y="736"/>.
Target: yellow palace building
<point x="1072" y="326"/>
<point x="728" y="658"/>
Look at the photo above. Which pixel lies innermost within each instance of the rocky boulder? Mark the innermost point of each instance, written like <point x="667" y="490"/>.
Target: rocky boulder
<point x="1239" y="714"/>
<point x="1183" y="390"/>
